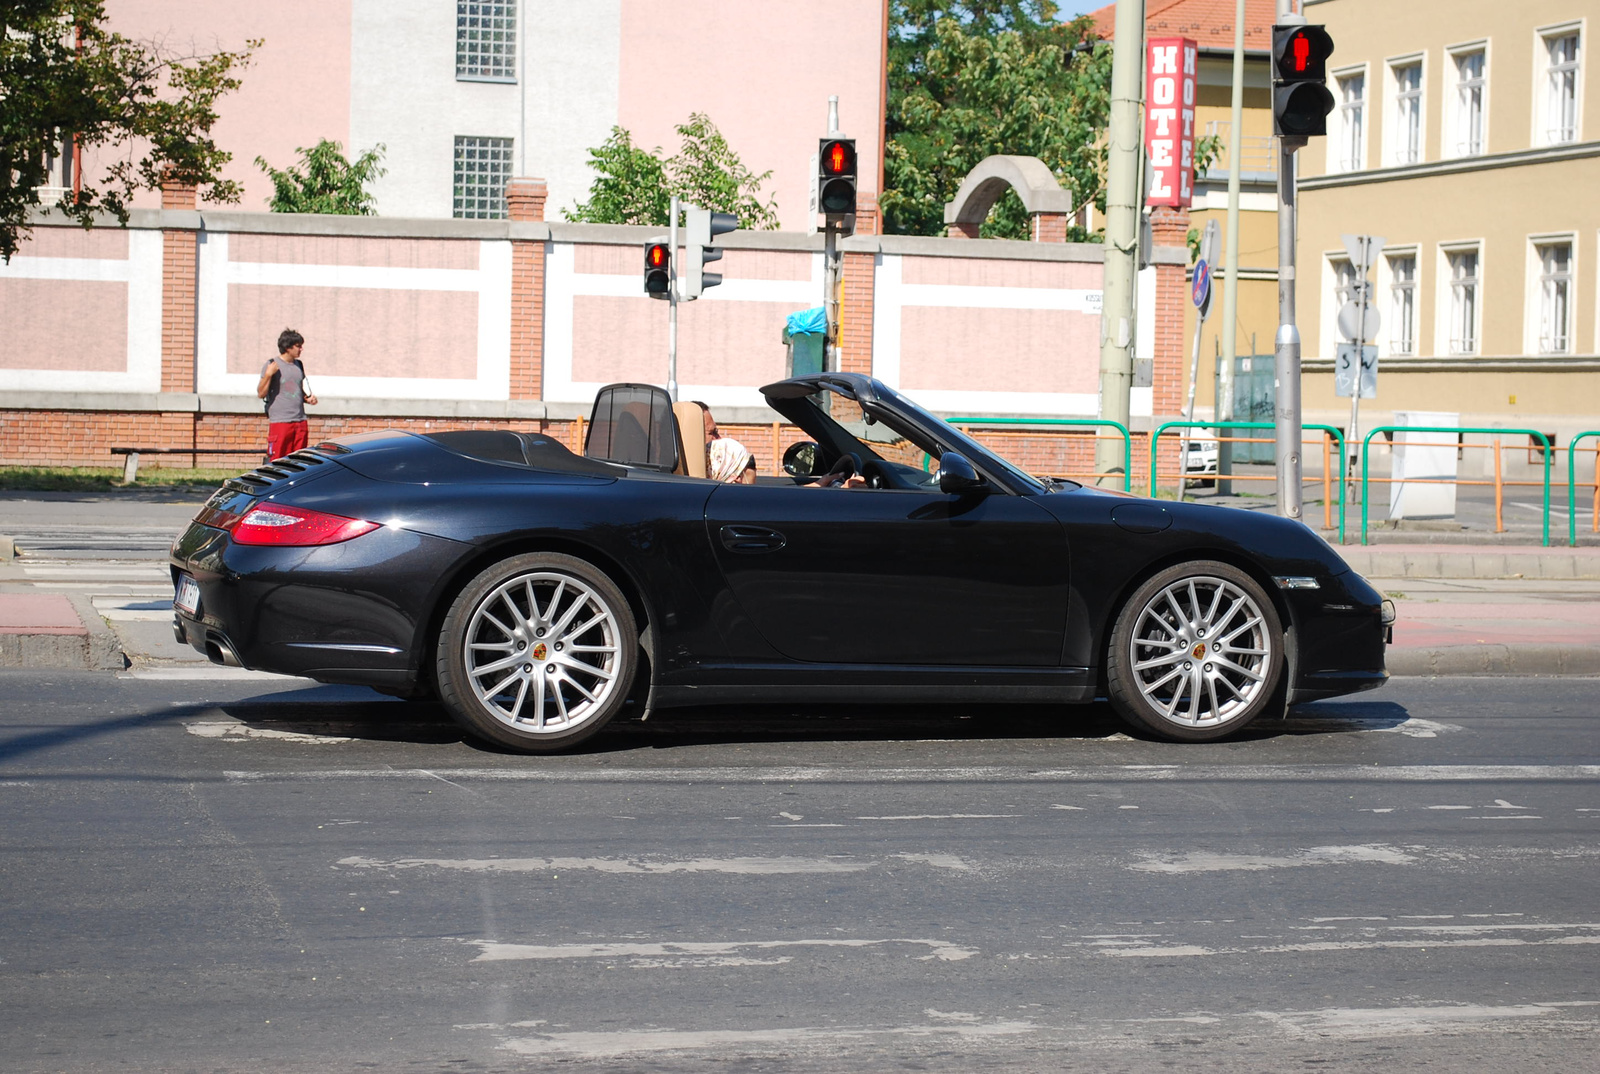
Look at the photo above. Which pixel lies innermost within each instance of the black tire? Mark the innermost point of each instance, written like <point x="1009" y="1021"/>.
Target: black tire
<point x="537" y="653"/>
<point x="1163" y="667"/>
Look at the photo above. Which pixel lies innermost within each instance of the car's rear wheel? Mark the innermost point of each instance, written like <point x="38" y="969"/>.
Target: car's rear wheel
<point x="537" y="653"/>
<point x="1196" y="654"/>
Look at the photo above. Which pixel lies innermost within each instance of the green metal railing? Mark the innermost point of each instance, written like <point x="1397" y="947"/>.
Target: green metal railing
<point x="1572" y="487"/>
<point x="1366" y="458"/>
<point x="1127" y="438"/>
<point x="1328" y="430"/>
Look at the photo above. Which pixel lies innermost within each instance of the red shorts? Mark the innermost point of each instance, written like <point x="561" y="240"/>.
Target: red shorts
<point x="284" y="437"/>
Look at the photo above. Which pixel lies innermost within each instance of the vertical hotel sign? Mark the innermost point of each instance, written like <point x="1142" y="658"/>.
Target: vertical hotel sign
<point x="1170" y="84"/>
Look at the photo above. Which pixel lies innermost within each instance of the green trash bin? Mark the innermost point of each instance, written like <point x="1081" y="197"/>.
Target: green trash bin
<point x="805" y="335"/>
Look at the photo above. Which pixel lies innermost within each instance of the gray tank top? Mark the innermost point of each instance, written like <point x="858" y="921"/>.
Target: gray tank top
<point x="286" y="398"/>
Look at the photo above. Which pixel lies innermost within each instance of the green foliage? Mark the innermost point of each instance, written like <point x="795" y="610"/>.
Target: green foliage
<point x="326" y="182"/>
<point x="971" y="80"/>
<point x="635" y="186"/>
<point x="630" y="185"/>
<point x="155" y="107"/>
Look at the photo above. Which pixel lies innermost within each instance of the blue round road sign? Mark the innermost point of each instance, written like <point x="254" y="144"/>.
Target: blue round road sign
<point x="1202" y="282"/>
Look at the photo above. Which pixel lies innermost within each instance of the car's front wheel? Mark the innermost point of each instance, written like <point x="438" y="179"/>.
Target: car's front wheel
<point x="1196" y="653"/>
<point x="537" y="653"/>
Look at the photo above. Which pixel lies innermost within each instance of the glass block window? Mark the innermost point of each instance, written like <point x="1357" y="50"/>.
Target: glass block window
<point x="482" y="170"/>
<point x="486" y="40"/>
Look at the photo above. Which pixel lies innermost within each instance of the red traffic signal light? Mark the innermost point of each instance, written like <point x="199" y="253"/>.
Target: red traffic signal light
<point x="657" y="268"/>
<point x="836" y="176"/>
<point x="1300" y="100"/>
<point x="1300" y="53"/>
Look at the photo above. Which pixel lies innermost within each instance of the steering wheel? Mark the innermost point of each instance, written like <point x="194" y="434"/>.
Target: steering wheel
<point x="845" y="465"/>
<point x="876" y="475"/>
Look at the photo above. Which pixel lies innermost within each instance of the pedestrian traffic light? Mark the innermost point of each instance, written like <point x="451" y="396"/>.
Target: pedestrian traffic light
<point x="657" y="268"/>
<point x="836" y="177"/>
<point x="1300" y="100"/>
<point x="702" y="225"/>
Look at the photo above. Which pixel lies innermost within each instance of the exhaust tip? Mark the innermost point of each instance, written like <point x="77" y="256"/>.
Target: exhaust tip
<point x="219" y="650"/>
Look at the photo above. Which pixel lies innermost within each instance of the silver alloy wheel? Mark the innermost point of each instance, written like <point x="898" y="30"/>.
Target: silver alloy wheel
<point x="1200" y="651"/>
<point x="541" y="652"/>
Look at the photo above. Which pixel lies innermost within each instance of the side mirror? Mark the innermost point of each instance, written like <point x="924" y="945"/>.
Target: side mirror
<point x="956" y="475"/>
<point x="800" y="460"/>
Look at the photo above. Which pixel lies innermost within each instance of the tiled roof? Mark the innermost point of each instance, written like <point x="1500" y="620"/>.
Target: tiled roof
<point x="1208" y="22"/>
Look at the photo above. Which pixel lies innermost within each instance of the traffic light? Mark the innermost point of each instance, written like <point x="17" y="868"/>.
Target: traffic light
<point x="836" y="177"/>
<point x="1300" y="100"/>
<point x="657" y="268"/>
<point x="701" y="226"/>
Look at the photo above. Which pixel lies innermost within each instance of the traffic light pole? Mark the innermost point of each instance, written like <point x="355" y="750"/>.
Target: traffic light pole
<point x="1286" y="348"/>
<point x="672" y="306"/>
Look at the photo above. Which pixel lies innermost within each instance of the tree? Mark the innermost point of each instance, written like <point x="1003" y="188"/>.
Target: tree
<point x="635" y="186"/>
<point x="326" y="182"/>
<point x="630" y="185"/>
<point x="984" y="77"/>
<point x="64" y="76"/>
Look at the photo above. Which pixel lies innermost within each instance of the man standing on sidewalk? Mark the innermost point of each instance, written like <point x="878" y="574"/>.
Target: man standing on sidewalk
<point x="283" y="386"/>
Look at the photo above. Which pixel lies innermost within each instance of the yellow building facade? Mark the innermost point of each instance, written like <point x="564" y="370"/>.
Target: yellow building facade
<point x="1466" y="133"/>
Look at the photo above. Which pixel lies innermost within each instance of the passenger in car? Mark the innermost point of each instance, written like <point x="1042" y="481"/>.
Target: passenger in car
<point x="730" y="462"/>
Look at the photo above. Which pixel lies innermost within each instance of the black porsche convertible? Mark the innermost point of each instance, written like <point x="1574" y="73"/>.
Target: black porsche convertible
<point x="537" y="592"/>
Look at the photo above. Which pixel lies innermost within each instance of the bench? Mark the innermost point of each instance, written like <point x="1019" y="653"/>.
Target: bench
<point x="130" y="468"/>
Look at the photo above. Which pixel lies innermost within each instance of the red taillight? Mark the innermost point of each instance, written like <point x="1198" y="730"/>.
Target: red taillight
<point x="279" y="524"/>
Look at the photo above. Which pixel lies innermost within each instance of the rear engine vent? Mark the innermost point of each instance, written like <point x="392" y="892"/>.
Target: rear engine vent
<point x="264" y="477"/>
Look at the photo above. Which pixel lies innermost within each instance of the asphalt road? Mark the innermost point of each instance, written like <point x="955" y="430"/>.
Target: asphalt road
<point x="243" y="875"/>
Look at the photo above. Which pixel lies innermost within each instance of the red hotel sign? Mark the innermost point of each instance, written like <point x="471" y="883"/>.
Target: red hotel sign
<point x="1170" y="83"/>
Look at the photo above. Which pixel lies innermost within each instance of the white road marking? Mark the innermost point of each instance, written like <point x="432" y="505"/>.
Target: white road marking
<point x="1192" y="773"/>
<point x="1411" y="726"/>
<point x="742" y="1041"/>
<point x="751" y="866"/>
<point x="1391" y="1021"/>
<point x="236" y="731"/>
<point x="135" y="609"/>
<point x="492" y="951"/>
<point x="1202" y="861"/>
<point x="947" y="816"/>
<point x="938" y="861"/>
<point x="207" y="672"/>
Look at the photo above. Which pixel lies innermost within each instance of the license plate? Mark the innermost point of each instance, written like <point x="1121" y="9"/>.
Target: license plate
<point x="188" y="598"/>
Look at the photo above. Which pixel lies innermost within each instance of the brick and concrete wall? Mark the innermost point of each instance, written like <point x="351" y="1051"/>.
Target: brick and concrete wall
<point x="155" y="335"/>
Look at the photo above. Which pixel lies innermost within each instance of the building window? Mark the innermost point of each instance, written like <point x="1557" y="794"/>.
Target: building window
<point x="486" y="41"/>
<point x="1555" y="297"/>
<point x="1352" y="122"/>
<point x="1471" y="90"/>
<point x="1403" y="304"/>
<point x="1561" y="88"/>
<point x="1464" y="300"/>
<point x="483" y="168"/>
<point x="1407" y="141"/>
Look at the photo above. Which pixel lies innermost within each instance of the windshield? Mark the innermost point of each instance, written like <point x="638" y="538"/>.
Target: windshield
<point x="843" y="426"/>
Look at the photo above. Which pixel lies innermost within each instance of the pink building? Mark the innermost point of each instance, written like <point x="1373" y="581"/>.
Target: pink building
<point x="465" y="95"/>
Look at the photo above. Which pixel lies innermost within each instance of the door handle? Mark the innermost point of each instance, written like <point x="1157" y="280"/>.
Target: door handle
<point x="751" y="539"/>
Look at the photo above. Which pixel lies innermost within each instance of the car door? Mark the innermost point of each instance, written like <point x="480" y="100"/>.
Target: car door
<point x="893" y="576"/>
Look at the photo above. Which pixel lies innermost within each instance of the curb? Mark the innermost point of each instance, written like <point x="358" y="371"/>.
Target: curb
<point x="97" y="650"/>
<point x="1421" y="562"/>
<point x="1506" y="659"/>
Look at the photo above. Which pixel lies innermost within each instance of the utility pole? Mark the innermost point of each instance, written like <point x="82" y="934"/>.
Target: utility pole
<point x="1229" y="327"/>
<point x="1122" y="228"/>
<point x="831" y="265"/>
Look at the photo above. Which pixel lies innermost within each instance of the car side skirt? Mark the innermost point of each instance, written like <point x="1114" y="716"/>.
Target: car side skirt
<point x="846" y="683"/>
